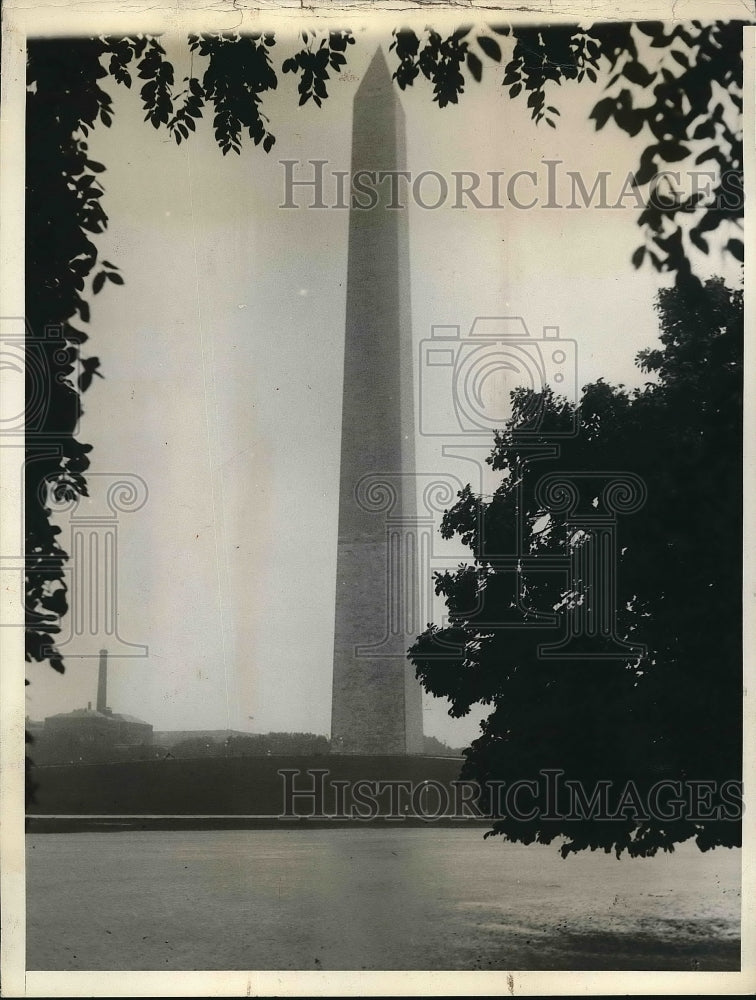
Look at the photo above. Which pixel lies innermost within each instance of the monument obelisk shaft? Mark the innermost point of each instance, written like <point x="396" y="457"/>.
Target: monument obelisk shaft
<point x="377" y="705"/>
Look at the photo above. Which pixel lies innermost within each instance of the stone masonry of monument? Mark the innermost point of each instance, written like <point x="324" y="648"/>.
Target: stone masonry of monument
<point x="377" y="703"/>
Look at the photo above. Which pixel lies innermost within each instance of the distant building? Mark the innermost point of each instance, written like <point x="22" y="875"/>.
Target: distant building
<point x="88" y="734"/>
<point x="170" y="737"/>
<point x="233" y="743"/>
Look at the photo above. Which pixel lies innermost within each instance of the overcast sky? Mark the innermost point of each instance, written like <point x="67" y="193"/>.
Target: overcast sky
<point x="222" y="357"/>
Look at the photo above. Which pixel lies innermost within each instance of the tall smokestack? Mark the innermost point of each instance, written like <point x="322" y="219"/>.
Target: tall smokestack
<point x="102" y="682"/>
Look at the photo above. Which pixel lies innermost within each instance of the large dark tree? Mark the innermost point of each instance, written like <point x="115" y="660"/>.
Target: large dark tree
<point x="616" y="527"/>
<point x="676" y="84"/>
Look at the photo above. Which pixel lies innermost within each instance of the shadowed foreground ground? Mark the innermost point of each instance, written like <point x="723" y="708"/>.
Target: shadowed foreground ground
<point x="371" y="899"/>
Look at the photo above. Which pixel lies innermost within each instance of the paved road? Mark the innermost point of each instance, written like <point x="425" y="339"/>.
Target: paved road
<point x="371" y="899"/>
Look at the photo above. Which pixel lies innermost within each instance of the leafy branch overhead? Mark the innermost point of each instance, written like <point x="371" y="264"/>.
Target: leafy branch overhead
<point x="238" y="72"/>
<point x="680" y="84"/>
<point x="312" y="64"/>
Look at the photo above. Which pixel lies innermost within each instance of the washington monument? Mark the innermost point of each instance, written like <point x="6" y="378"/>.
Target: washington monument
<point x="377" y="705"/>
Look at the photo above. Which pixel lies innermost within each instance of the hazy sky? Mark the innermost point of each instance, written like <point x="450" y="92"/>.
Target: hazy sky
<point x="223" y="363"/>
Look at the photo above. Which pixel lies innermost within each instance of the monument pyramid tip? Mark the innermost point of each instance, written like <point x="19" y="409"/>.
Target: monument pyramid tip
<point x="377" y="75"/>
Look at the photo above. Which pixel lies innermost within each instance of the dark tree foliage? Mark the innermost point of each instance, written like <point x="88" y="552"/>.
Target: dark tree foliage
<point x="65" y="101"/>
<point x="67" y="97"/>
<point x="674" y="711"/>
<point x="63" y="211"/>
<point x="678" y="84"/>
